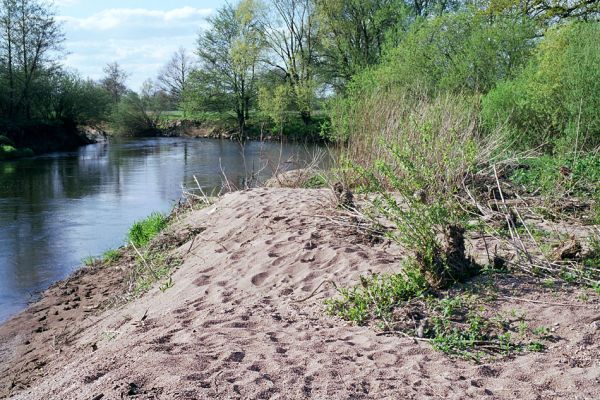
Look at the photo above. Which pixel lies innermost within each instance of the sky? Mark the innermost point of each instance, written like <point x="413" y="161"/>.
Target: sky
<point x="140" y="35"/>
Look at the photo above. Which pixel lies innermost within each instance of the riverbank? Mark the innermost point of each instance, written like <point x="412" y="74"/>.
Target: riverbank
<point x="27" y="140"/>
<point x="242" y="316"/>
<point x="222" y="126"/>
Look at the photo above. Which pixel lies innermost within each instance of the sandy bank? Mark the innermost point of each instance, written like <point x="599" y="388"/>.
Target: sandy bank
<point x="234" y="324"/>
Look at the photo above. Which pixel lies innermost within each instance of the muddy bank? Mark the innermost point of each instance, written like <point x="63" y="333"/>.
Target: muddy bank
<point x="242" y="320"/>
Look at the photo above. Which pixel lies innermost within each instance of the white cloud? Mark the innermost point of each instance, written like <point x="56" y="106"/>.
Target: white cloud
<point x="131" y="17"/>
<point x="141" y="40"/>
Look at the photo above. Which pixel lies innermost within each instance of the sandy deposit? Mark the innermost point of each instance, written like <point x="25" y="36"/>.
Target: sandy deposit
<point x="232" y="325"/>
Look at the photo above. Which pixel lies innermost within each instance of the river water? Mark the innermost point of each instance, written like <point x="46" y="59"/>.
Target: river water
<point x="58" y="209"/>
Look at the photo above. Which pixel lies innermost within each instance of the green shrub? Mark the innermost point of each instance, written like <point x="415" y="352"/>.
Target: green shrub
<point x="8" y="152"/>
<point x="6" y="141"/>
<point x="543" y="174"/>
<point x="555" y="100"/>
<point x="142" y="232"/>
<point x="376" y="297"/>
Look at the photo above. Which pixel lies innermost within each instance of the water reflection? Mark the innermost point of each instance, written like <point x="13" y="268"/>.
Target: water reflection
<point x="56" y="210"/>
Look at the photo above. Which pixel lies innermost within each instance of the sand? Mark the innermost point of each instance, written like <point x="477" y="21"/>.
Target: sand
<point x="232" y="325"/>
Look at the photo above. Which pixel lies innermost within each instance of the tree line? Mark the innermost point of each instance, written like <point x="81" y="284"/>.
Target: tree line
<point x="284" y="61"/>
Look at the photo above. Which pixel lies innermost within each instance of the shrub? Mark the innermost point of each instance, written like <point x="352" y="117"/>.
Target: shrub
<point x="8" y="152"/>
<point x="554" y="101"/>
<point x="142" y="232"/>
<point x="543" y="174"/>
<point x="6" y="141"/>
<point x="414" y="153"/>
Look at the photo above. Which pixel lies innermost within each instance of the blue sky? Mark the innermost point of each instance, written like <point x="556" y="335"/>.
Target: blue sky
<point x="140" y="35"/>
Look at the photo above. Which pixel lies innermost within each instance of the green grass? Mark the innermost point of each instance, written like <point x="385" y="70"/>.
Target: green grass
<point x="315" y="182"/>
<point x="376" y="297"/>
<point x="111" y="256"/>
<point x="89" y="261"/>
<point x="543" y="174"/>
<point x="142" y="232"/>
<point x="457" y="324"/>
<point x="153" y="268"/>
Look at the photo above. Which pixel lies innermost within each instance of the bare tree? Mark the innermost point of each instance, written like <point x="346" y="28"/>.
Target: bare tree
<point x="114" y="81"/>
<point x="174" y="76"/>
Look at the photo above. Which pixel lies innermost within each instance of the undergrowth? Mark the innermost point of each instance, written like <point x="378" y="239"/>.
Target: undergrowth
<point x="150" y="269"/>
<point x="457" y="324"/>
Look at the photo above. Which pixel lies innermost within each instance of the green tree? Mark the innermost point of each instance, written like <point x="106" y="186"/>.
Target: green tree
<point x="139" y="114"/>
<point x="30" y="41"/>
<point x="291" y="32"/>
<point x="229" y="53"/>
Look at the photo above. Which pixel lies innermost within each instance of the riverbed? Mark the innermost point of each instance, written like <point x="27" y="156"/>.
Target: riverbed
<point x="58" y="209"/>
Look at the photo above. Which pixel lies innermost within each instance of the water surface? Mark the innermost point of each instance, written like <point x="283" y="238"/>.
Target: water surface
<point x="58" y="209"/>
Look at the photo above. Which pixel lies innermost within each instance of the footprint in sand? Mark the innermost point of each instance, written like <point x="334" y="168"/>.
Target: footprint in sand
<point x="258" y="279"/>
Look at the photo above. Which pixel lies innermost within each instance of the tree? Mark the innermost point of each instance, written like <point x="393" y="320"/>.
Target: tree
<point x="174" y="76"/>
<point x="354" y="34"/>
<point x="114" y="81"/>
<point x="229" y="53"/>
<point x="291" y="32"/>
<point x="203" y="93"/>
<point x="139" y="113"/>
<point x="548" y="10"/>
<point x="30" y="39"/>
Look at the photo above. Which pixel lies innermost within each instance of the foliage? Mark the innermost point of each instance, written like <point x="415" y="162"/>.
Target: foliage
<point x="139" y="113"/>
<point x="376" y="297"/>
<point x="454" y="323"/>
<point x="275" y="103"/>
<point x="30" y="38"/>
<point x="6" y="141"/>
<point x="174" y="76"/>
<point x="142" y="232"/>
<point x="291" y="33"/>
<point x="460" y="52"/>
<point x="567" y="174"/>
<point x="114" y="81"/>
<point x="555" y="100"/>
<point x="229" y="52"/>
<point x="70" y="99"/>
<point x="8" y="152"/>
<point x="354" y="33"/>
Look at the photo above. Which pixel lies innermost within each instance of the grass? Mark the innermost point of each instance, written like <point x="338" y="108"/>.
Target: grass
<point x="315" y="182"/>
<point x="376" y="297"/>
<point x="110" y="256"/>
<point x="89" y="261"/>
<point x="151" y="268"/>
<point x="457" y="324"/>
<point x="555" y="176"/>
<point x="142" y="232"/>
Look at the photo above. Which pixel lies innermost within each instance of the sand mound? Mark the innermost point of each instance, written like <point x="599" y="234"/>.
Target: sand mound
<point x="232" y="325"/>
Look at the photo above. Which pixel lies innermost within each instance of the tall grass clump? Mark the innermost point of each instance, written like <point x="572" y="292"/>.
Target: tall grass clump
<point x="142" y="232"/>
<point x="414" y="153"/>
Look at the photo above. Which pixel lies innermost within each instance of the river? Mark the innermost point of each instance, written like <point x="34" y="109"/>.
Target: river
<point x="57" y="209"/>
